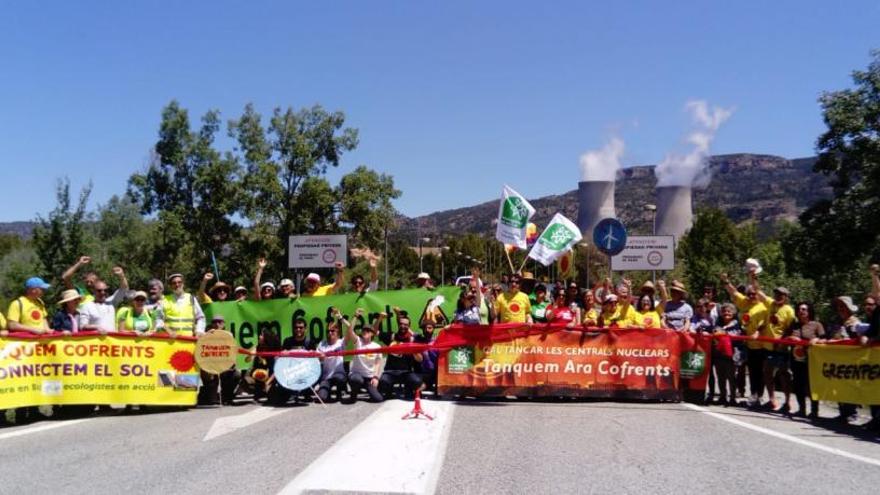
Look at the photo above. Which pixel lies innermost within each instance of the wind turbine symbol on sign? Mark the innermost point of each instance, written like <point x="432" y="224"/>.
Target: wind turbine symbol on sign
<point x="609" y="238"/>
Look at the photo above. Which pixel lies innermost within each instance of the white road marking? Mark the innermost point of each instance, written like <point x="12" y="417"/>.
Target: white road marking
<point x="39" y="428"/>
<point x="785" y="436"/>
<point x="229" y="424"/>
<point x="369" y="457"/>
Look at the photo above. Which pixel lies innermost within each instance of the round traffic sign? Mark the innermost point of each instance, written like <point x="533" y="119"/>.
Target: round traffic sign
<point x="609" y="236"/>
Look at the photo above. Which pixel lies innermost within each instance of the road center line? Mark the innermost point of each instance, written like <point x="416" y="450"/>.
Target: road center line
<point x="785" y="436"/>
<point x="370" y="456"/>
<point x="39" y="428"/>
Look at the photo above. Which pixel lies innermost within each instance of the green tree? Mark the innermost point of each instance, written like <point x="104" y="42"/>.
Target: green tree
<point x="365" y="204"/>
<point x="193" y="189"/>
<point x="62" y="237"/>
<point x="837" y="238"/>
<point x="714" y="245"/>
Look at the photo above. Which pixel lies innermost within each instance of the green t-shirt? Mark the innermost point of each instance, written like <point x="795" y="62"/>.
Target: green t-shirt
<point x="539" y="310"/>
<point x="138" y="323"/>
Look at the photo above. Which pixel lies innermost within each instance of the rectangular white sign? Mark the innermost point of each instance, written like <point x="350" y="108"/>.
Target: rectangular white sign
<point x="646" y="253"/>
<point x="317" y="251"/>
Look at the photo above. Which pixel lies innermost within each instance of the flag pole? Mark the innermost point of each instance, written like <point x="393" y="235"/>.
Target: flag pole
<point x="523" y="264"/>
<point x="509" y="261"/>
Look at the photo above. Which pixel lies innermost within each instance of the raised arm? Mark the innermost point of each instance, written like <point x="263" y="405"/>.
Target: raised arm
<point x="349" y="335"/>
<point x="200" y="295"/>
<point x="340" y="278"/>
<point x="68" y="274"/>
<point x="731" y="290"/>
<point x="374" y="275"/>
<point x="261" y="265"/>
<point x="664" y="293"/>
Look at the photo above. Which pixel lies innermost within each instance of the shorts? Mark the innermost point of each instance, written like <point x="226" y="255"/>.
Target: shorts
<point x="777" y="361"/>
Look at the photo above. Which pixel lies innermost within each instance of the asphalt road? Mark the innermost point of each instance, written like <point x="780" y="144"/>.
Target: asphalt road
<point x="505" y="446"/>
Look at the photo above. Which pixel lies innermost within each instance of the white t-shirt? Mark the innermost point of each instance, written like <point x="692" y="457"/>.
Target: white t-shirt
<point x="364" y="364"/>
<point x="101" y="315"/>
<point x="331" y="364"/>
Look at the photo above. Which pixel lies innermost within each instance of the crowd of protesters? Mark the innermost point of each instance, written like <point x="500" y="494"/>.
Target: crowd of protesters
<point x="519" y="298"/>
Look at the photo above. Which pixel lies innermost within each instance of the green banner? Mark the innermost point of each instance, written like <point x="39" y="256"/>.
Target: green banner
<point x="247" y="319"/>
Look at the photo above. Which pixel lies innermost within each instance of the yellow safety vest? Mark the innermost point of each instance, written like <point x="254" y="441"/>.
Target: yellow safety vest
<point x="180" y="318"/>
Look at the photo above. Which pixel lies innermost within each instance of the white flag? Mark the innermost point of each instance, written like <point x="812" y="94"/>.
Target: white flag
<point x="559" y="236"/>
<point x="514" y="214"/>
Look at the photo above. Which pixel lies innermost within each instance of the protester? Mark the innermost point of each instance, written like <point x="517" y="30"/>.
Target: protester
<point x="539" y="304"/>
<point x="400" y="368"/>
<point x="227" y="380"/>
<point x="677" y="313"/>
<point x="805" y="327"/>
<point x="314" y="288"/>
<point x="28" y="312"/>
<point x="66" y="319"/>
<point x="573" y="295"/>
<point x="723" y="350"/>
<point x="646" y="314"/>
<point x="262" y="290"/>
<point x="872" y="336"/>
<point x="514" y="306"/>
<point x="99" y="314"/>
<point x="365" y="368"/>
<point x="427" y="367"/>
<point x="627" y="315"/>
<point x="845" y="328"/>
<point x="710" y="294"/>
<point x="562" y="312"/>
<point x="780" y="316"/>
<point x="333" y="367"/>
<point x="286" y="290"/>
<point x="701" y="321"/>
<point x="179" y="312"/>
<point x="155" y="293"/>
<point x="135" y="318"/>
<point x="88" y="278"/>
<point x="358" y="285"/>
<point x="753" y="318"/>
<point x="219" y="292"/>
<point x="467" y="308"/>
<point x="610" y="317"/>
<point x="590" y="309"/>
<point x="259" y="377"/>
<point x="240" y="293"/>
<point x="423" y="281"/>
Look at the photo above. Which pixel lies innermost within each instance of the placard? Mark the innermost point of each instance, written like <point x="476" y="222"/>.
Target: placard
<point x="655" y="252"/>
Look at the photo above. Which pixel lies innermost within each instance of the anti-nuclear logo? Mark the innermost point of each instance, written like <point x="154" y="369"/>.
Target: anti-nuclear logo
<point x="514" y="213"/>
<point x="557" y="237"/>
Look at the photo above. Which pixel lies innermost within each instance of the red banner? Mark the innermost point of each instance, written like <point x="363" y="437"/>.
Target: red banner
<point x="636" y="364"/>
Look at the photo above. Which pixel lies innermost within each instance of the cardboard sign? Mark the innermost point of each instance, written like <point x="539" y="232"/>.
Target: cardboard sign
<point x="317" y="251"/>
<point x="216" y="351"/>
<point x="650" y="252"/>
<point x="297" y="373"/>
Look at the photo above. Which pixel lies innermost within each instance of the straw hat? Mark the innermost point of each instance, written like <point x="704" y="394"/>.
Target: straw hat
<point x="69" y="295"/>
<point x="676" y="285"/>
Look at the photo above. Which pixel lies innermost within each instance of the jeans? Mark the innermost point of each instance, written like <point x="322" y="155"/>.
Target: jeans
<point x="357" y="381"/>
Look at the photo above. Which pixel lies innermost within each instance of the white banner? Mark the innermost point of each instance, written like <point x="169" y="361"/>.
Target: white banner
<point x="646" y="253"/>
<point x="317" y="251"/>
<point x="559" y="236"/>
<point x="514" y="214"/>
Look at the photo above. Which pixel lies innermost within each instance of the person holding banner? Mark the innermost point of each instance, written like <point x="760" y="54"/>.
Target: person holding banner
<point x="179" y="312"/>
<point x="333" y="367"/>
<point x="513" y="306"/>
<point x="136" y="318"/>
<point x="806" y="328"/>
<point x="66" y="319"/>
<point x="365" y="368"/>
<point x="467" y="308"/>
<point x="562" y="312"/>
<point x="780" y="318"/>
<point x="846" y="328"/>
<point x="677" y="313"/>
<point x="590" y="311"/>
<point x="753" y="317"/>
<point x="28" y="312"/>
<point x="401" y="368"/>
<point x="540" y="304"/>
<point x="646" y="314"/>
<point x="723" y="350"/>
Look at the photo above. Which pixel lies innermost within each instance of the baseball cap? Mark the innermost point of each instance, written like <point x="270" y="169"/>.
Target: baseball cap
<point x="267" y="284"/>
<point x="238" y="289"/>
<point x="174" y="275"/>
<point x="314" y="277"/>
<point x="140" y="294"/>
<point x="36" y="283"/>
<point x="423" y="275"/>
<point x="285" y="281"/>
<point x="218" y="318"/>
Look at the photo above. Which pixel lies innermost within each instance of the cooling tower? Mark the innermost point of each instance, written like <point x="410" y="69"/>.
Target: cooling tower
<point x="674" y="213"/>
<point x="595" y="202"/>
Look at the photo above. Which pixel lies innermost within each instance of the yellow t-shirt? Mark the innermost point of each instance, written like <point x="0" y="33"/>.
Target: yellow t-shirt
<point x="204" y="299"/>
<point x="324" y="290"/>
<point x="591" y="316"/>
<point x="28" y="313"/>
<point x="513" y="308"/>
<point x="779" y="319"/>
<point x="648" y="319"/>
<point x="753" y="317"/>
<point x="627" y="316"/>
<point x="2" y="322"/>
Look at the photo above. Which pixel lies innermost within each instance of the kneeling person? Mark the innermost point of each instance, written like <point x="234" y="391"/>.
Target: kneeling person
<point x="365" y="368"/>
<point x="401" y="368"/>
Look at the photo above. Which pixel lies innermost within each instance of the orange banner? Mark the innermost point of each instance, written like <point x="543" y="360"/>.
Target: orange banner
<point x="637" y="364"/>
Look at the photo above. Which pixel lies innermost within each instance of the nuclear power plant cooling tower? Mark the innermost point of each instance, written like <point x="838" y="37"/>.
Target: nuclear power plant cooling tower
<point x="595" y="202"/>
<point x="674" y="213"/>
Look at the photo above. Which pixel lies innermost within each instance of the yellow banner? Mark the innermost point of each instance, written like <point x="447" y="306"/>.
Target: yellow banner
<point x="97" y="370"/>
<point x="845" y="373"/>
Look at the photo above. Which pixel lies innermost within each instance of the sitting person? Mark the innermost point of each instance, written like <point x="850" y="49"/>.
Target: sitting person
<point x="333" y="367"/>
<point x="365" y="368"/>
<point x="401" y="368"/>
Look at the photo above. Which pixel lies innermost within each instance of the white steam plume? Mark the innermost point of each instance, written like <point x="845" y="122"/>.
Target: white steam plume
<point x="692" y="168"/>
<point x="602" y="164"/>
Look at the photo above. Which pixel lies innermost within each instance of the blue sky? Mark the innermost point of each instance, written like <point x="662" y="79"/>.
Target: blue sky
<point x="452" y="98"/>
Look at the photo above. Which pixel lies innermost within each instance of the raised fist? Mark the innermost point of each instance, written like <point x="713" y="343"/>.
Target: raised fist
<point x="875" y="269"/>
<point x="724" y="278"/>
<point x="261" y="263"/>
<point x="372" y="262"/>
<point x="339" y="266"/>
<point x="359" y="312"/>
<point x="85" y="260"/>
<point x="118" y="271"/>
<point x="208" y="277"/>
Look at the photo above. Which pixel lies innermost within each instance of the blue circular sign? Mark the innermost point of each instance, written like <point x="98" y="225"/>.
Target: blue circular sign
<point x="297" y="373"/>
<point x="609" y="236"/>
